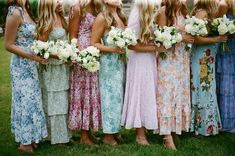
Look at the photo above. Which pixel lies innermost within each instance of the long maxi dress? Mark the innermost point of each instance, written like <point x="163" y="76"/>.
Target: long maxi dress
<point x="85" y="108"/>
<point x="55" y="87"/>
<point x="225" y="81"/>
<point x="111" y="79"/>
<point x="205" y="116"/>
<point x="28" y="121"/>
<point x="140" y="108"/>
<point x="173" y="90"/>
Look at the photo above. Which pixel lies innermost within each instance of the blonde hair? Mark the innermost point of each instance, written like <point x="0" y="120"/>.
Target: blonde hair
<point x="109" y="19"/>
<point x="96" y="5"/>
<point x="210" y="6"/>
<point x="147" y="15"/>
<point x="230" y="4"/>
<point x="47" y="16"/>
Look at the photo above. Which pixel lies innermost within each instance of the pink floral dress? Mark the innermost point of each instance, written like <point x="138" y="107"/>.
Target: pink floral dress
<point x="85" y="108"/>
<point x="173" y="91"/>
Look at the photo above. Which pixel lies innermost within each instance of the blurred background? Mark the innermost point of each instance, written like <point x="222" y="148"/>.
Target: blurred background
<point x="67" y="4"/>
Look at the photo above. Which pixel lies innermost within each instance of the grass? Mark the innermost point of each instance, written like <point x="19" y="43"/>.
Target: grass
<point x="222" y="144"/>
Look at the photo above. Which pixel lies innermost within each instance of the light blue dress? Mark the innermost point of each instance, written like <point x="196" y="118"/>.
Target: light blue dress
<point x="27" y="117"/>
<point x="111" y="79"/>
<point x="55" y="87"/>
<point x="205" y="117"/>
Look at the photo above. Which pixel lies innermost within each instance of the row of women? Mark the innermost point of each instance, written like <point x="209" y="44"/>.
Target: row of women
<point x="146" y="93"/>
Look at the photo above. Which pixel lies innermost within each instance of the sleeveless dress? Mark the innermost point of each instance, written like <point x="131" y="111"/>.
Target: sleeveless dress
<point x="111" y="79"/>
<point x="173" y="91"/>
<point x="85" y="109"/>
<point x="28" y="121"/>
<point x="225" y="78"/>
<point x="205" y="117"/>
<point x="140" y="108"/>
<point x="55" y="87"/>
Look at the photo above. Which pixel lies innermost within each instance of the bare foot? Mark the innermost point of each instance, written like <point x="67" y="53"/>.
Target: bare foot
<point x="35" y="146"/>
<point x="85" y="138"/>
<point x="118" y="137"/>
<point x="109" y="140"/>
<point x="26" y="148"/>
<point x="169" y="143"/>
<point x="141" y="140"/>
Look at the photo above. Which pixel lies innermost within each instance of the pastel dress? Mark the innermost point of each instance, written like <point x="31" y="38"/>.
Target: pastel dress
<point x="140" y="108"/>
<point x="225" y="78"/>
<point x="111" y="79"/>
<point x="28" y="121"/>
<point x="173" y="90"/>
<point x="55" y="87"/>
<point x="85" y="108"/>
<point x="205" y="117"/>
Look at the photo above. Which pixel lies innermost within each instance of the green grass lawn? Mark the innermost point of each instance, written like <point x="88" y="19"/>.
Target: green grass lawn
<point x="187" y="144"/>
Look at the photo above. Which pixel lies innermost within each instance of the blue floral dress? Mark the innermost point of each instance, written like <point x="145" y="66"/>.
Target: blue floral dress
<point x="27" y="117"/>
<point x="225" y="78"/>
<point x="205" y="117"/>
<point x="111" y="79"/>
<point x="55" y="88"/>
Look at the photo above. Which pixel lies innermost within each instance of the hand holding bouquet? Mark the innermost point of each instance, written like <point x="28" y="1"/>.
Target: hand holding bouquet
<point x="122" y="39"/>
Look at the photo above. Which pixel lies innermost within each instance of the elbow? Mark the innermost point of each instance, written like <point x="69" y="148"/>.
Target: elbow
<point x="8" y="46"/>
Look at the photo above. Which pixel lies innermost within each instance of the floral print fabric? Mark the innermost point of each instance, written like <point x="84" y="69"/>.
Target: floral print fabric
<point x="28" y="121"/>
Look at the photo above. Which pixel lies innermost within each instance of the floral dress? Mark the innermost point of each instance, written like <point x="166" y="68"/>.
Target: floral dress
<point x="55" y="87"/>
<point x="28" y="121"/>
<point x="111" y="78"/>
<point x="225" y="81"/>
<point x="205" y="117"/>
<point x="173" y="90"/>
<point x="85" y="109"/>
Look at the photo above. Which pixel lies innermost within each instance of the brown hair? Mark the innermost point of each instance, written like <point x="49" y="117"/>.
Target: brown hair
<point x="19" y="3"/>
<point x="171" y="10"/>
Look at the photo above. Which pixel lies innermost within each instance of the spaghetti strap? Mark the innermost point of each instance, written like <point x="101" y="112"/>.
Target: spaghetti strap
<point x="12" y="8"/>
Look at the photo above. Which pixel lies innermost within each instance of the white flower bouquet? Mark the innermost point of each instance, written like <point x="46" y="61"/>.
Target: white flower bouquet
<point x="89" y="59"/>
<point x="122" y="39"/>
<point x="166" y="36"/>
<point x="222" y="26"/>
<point x="40" y="48"/>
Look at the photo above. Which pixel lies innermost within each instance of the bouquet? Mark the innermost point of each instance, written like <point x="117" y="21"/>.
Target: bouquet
<point x="65" y="51"/>
<point x="222" y="26"/>
<point x="166" y="36"/>
<point x="40" y="48"/>
<point x="122" y="39"/>
<point x="195" y="27"/>
<point x="89" y="59"/>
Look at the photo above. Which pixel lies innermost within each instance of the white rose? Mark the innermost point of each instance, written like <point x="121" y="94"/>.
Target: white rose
<point x="46" y="55"/>
<point x="223" y="29"/>
<point x="74" y="41"/>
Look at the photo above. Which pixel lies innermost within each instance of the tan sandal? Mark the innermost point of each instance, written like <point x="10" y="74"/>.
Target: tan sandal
<point x="142" y="141"/>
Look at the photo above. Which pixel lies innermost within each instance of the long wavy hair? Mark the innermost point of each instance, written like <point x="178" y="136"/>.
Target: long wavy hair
<point x="230" y="4"/>
<point x="174" y="8"/>
<point x="20" y="3"/>
<point x="147" y="15"/>
<point x="109" y="19"/>
<point x="211" y="6"/>
<point x="96" y="5"/>
<point x="47" y="16"/>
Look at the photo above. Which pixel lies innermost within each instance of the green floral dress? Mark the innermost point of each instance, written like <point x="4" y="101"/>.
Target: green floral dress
<point x="205" y="117"/>
<point x="111" y="79"/>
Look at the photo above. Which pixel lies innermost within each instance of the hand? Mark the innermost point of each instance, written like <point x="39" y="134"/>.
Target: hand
<point x="222" y="38"/>
<point x="59" y="7"/>
<point x="188" y="38"/>
<point x="41" y="60"/>
<point x="164" y="50"/>
<point x="119" y="50"/>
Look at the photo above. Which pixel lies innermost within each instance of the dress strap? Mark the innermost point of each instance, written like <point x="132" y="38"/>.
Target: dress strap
<point x="12" y="8"/>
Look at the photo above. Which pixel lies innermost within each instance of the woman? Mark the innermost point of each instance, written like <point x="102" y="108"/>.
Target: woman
<point x="111" y="74"/>
<point x="55" y="80"/>
<point x="205" y="117"/>
<point x="225" y="73"/>
<point x="85" y="109"/>
<point x="173" y="92"/>
<point x="140" y="109"/>
<point x="27" y="117"/>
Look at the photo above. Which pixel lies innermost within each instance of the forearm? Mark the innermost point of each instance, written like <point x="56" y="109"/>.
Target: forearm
<point x="204" y="40"/>
<point x="143" y="48"/>
<point x="103" y="49"/>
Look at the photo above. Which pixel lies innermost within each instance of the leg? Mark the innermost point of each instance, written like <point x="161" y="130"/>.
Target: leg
<point x="141" y="137"/>
<point x="168" y="142"/>
<point x="110" y="140"/>
<point x="85" y="138"/>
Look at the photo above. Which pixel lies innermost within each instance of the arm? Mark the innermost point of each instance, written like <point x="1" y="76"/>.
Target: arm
<point x="74" y="23"/>
<point x="161" y="19"/>
<point x="98" y="31"/>
<point x="12" y="24"/>
<point x="148" y="48"/>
